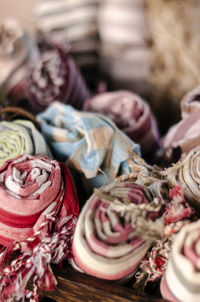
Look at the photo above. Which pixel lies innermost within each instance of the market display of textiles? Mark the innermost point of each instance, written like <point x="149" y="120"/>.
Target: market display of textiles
<point x="86" y="177"/>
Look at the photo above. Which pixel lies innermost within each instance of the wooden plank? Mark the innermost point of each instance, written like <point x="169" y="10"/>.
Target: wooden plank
<point x="74" y="286"/>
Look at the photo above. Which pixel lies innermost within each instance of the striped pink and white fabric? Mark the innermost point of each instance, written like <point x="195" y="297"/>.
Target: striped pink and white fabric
<point x="131" y="114"/>
<point x="105" y="242"/>
<point x="38" y="208"/>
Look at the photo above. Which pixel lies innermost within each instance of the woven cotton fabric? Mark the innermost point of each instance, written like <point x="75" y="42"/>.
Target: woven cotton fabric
<point x="21" y="137"/>
<point x="91" y="143"/>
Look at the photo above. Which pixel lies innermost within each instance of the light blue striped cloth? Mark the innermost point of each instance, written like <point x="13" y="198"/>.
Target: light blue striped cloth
<point x="89" y="142"/>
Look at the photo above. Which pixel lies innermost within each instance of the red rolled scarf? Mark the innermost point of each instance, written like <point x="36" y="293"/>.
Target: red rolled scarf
<point x="131" y="114"/>
<point x="38" y="210"/>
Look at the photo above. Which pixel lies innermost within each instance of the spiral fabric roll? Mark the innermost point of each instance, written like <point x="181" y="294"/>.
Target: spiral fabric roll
<point x="55" y="77"/>
<point x="17" y="49"/>
<point x="186" y="172"/>
<point x="181" y="281"/>
<point x="190" y="102"/>
<point x="38" y="208"/>
<point x="89" y="142"/>
<point x="131" y="114"/>
<point x="105" y="243"/>
<point x="21" y="137"/>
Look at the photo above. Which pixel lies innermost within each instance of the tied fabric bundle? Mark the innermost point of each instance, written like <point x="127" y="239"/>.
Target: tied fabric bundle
<point x="38" y="210"/>
<point x="20" y="137"/>
<point x="106" y="243"/>
<point x="55" y="77"/>
<point x="131" y="114"/>
<point x="181" y="281"/>
<point x="89" y="142"/>
<point x="17" y="50"/>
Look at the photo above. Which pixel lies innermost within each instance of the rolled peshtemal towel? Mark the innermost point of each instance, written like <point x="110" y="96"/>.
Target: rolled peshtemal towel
<point x="190" y="102"/>
<point x="182" y="278"/>
<point x="105" y="242"/>
<point x="131" y="114"/>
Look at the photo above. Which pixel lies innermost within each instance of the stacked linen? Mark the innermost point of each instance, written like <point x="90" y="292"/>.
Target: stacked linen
<point x="38" y="213"/>
<point x="20" y="137"/>
<point x="124" y="38"/>
<point x="17" y="50"/>
<point x="132" y="115"/>
<point x="181" y="281"/>
<point x="90" y="143"/>
<point x="76" y="22"/>
<point x="105" y="243"/>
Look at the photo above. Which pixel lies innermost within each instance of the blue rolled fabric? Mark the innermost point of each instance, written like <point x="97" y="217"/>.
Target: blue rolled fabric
<point x="89" y="142"/>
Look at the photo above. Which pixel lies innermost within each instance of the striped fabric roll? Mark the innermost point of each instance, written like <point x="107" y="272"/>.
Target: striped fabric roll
<point x="105" y="243"/>
<point x="186" y="172"/>
<point x="190" y="102"/>
<point x="131" y="114"/>
<point x="124" y="51"/>
<point x="184" y="136"/>
<point x="55" y="77"/>
<point x="17" y="49"/>
<point x="21" y="137"/>
<point x="38" y="208"/>
<point x="181" y="281"/>
<point x="89" y="142"/>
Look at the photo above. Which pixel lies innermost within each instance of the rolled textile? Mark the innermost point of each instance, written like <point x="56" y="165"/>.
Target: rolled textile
<point x="55" y="77"/>
<point x="131" y="114"/>
<point x="90" y="143"/>
<point x="186" y="172"/>
<point x="190" y="102"/>
<point x="76" y="22"/>
<point x="181" y="281"/>
<point x="183" y="137"/>
<point x="17" y="50"/>
<point x="105" y="243"/>
<point x="38" y="213"/>
<point x="21" y="137"/>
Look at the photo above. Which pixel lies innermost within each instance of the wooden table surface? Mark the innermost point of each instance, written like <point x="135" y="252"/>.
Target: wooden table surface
<point x="74" y="286"/>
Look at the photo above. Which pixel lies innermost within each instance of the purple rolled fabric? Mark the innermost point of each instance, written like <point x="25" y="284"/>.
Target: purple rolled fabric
<point x="131" y="114"/>
<point x="55" y="77"/>
<point x="190" y="102"/>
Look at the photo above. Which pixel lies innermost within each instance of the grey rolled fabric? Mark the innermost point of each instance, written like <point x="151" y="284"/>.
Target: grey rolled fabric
<point x="21" y="137"/>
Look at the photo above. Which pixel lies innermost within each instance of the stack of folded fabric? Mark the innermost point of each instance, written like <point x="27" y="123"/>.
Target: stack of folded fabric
<point x="124" y="50"/>
<point x="76" y="22"/>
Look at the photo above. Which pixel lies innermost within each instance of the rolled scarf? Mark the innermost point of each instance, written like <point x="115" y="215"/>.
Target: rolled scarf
<point x="88" y="142"/>
<point x="105" y="243"/>
<point x="186" y="172"/>
<point x="124" y="49"/>
<point x="38" y="206"/>
<point x="17" y="49"/>
<point x="190" y="102"/>
<point x="183" y="137"/>
<point x="55" y="77"/>
<point x="181" y="281"/>
<point x="131" y="114"/>
<point x="21" y="137"/>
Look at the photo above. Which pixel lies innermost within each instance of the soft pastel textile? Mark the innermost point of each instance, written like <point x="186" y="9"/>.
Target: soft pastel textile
<point x="20" y="137"/>
<point x="190" y="102"/>
<point x="17" y="49"/>
<point x="38" y="208"/>
<point x="182" y="281"/>
<point x="89" y="142"/>
<point x="105" y="243"/>
<point x="183" y="137"/>
<point x="131" y="114"/>
<point x="186" y="172"/>
<point x="55" y="77"/>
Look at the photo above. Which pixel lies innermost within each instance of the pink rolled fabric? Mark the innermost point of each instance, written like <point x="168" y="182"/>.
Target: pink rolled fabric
<point x="55" y="77"/>
<point x="182" y="277"/>
<point x="190" y="102"/>
<point x="105" y="243"/>
<point x="183" y="137"/>
<point x="131" y="114"/>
